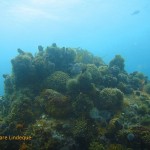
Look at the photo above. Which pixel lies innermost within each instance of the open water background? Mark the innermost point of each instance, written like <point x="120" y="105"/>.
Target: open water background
<point x="104" y="27"/>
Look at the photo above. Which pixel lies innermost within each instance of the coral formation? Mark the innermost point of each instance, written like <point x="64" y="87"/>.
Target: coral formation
<point x="54" y="103"/>
<point x="111" y="99"/>
<point x="147" y="88"/>
<point x="23" y="69"/>
<point x="69" y="99"/>
<point x="57" y="81"/>
<point x="96" y="146"/>
<point x="117" y="63"/>
<point x="61" y="57"/>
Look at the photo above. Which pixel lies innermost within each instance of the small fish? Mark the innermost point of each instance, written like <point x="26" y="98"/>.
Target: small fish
<point x="135" y="12"/>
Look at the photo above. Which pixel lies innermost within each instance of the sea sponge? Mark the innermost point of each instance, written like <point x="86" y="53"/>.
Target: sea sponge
<point x="73" y="87"/>
<point x="137" y="80"/>
<point x="125" y="88"/>
<point x="82" y="83"/>
<point x="85" y="57"/>
<point x="142" y="134"/>
<point x="114" y="70"/>
<point x="109" y="81"/>
<point x="80" y="127"/>
<point x="116" y="147"/>
<point x="55" y="104"/>
<point x="104" y="69"/>
<point x="9" y="85"/>
<point x="76" y="68"/>
<point x="111" y="99"/>
<point x="147" y="88"/>
<point x="23" y="69"/>
<point x="96" y="146"/>
<point x="118" y="61"/>
<point x="43" y="67"/>
<point x="95" y="73"/>
<point x="61" y="57"/>
<point x="123" y="77"/>
<point x="84" y="80"/>
<point x="22" y="110"/>
<point x="57" y="81"/>
<point x="82" y="105"/>
<point x="114" y="126"/>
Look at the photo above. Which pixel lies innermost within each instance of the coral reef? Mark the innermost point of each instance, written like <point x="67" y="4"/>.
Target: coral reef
<point x="57" y="81"/>
<point x="111" y="99"/>
<point x="69" y="99"/>
<point x="117" y="64"/>
<point x="54" y="103"/>
<point x="147" y="88"/>
<point x="23" y="69"/>
<point x="96" y="146"/>
<point x="61" y="57"/>
<point x="86" y="57"/>
<point x="82" y="104"/>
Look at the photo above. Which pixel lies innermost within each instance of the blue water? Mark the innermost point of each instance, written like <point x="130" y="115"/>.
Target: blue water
<point x="104" y="27"/>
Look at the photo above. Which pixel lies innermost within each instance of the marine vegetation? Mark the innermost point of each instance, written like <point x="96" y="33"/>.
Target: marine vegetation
<point x="111" y="99"/>
<point x="96" y="146"/>
<point x="68" y="99"/>
<point x="57" y="81"/>
<point x="147" y="88"/>
<point x="117" y="63"/>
